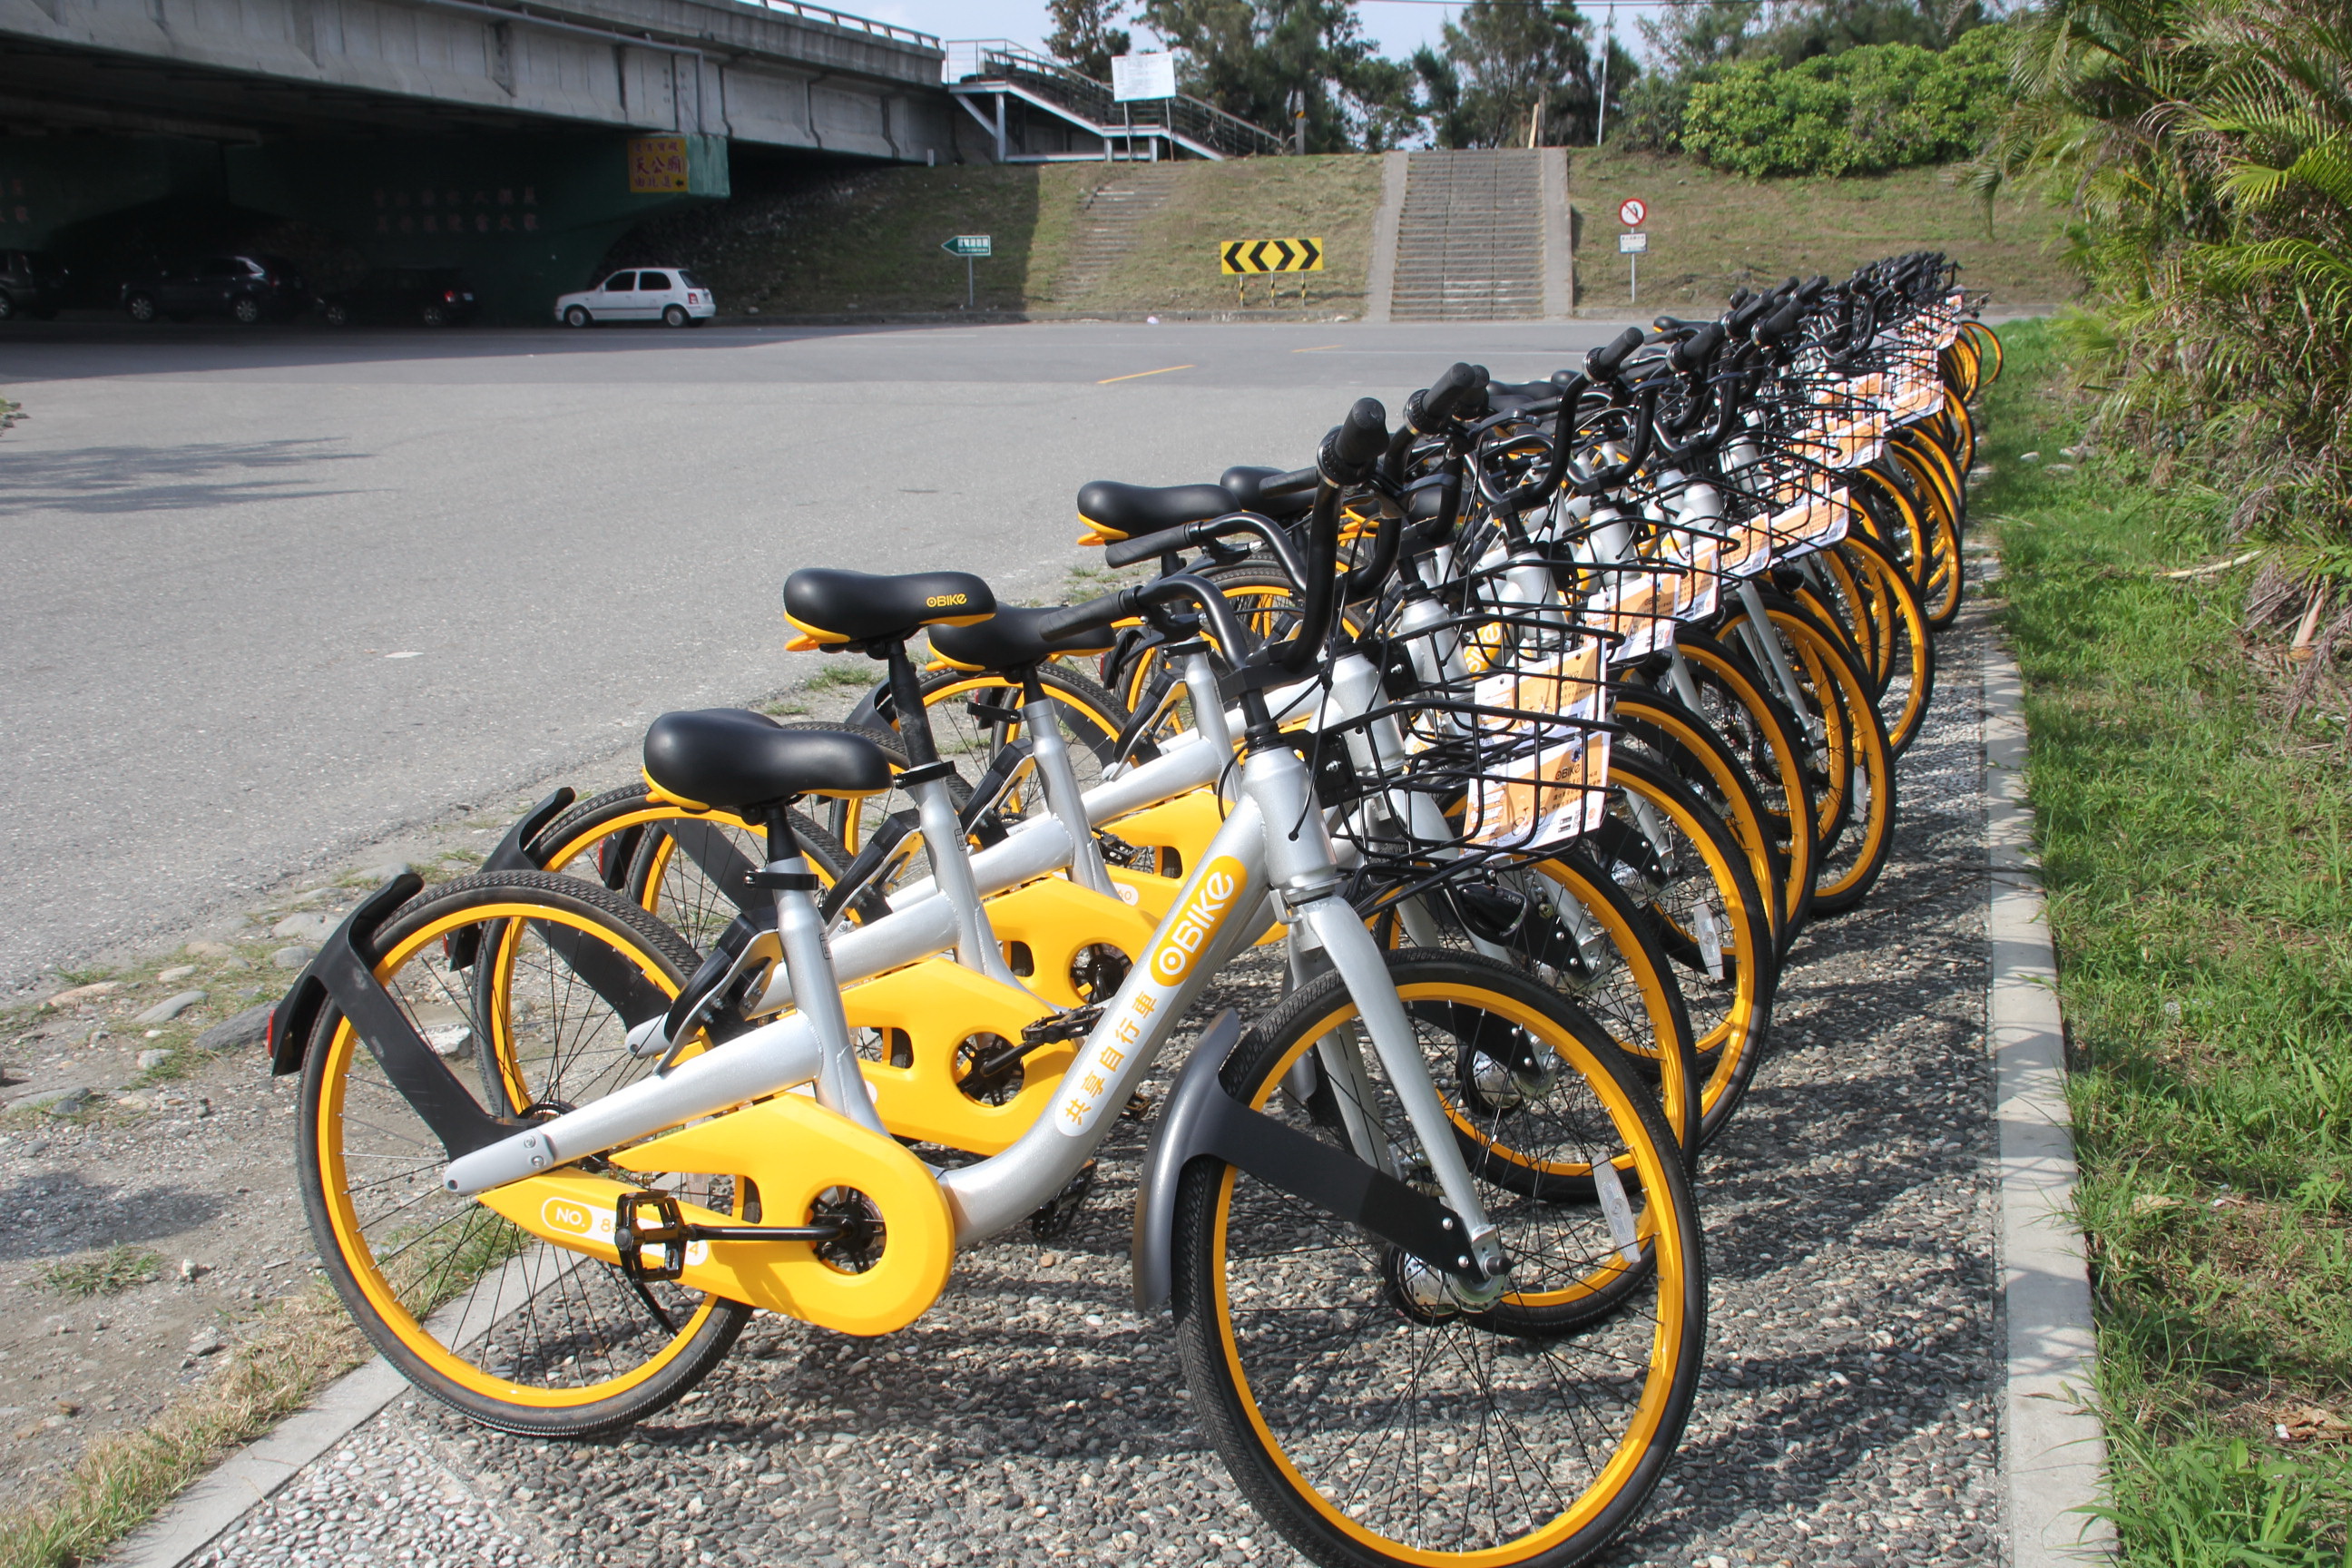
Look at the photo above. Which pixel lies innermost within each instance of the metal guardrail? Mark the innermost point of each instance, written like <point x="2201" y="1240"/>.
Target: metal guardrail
<point x="1205" y="124"/>
<point x="846" y="22"/>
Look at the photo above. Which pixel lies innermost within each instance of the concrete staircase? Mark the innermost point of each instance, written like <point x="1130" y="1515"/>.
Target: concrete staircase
<point x="1470" y="238"/>
<point x="1107" y="223"/>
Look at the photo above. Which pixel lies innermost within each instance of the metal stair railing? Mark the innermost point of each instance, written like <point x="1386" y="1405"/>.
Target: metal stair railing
<point x="848" y="22"/>
<point x="977" y="64"/>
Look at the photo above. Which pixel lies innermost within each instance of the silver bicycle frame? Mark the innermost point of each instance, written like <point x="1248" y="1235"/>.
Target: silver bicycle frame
<point x="1272" y="849"/>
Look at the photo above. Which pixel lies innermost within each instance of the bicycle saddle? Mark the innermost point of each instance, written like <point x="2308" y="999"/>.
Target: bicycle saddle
<point x="1269" y="491"/>
<point x="1116" y="512"/>
<point x="731" y="759"/>
<point x="1502" y="394"/>
<point x="1010" y="639"/>
<point x="838" y="608"/>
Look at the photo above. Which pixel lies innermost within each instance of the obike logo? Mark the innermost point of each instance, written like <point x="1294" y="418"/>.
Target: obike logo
<point x="1197" y="920"/>
<point x="945" y="601"/>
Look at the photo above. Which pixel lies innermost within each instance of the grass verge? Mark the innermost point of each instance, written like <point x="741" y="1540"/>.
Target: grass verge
<point x="292" y="1350"/>
<point x="107" y="1273"/>
<point x="2195" y="850"/>
<point x="1711" y="232"/>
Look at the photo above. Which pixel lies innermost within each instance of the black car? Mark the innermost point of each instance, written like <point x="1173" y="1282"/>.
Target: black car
<point x="31" y="284"/>
<point x="428" y="296"/>
<point x="246" y="289"/>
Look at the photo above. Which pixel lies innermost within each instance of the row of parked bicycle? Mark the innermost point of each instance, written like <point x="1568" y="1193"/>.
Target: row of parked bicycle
<point x="1520" y="738"/>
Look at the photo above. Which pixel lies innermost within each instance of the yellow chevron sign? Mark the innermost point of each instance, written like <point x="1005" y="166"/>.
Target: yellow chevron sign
<point x="1246" y="255"/>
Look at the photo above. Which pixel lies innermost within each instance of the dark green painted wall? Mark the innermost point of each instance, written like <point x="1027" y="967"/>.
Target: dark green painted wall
<point x="526" y="218"/>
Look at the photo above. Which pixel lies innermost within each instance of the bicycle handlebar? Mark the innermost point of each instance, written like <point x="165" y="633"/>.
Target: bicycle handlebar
<point x="1112" y="608"/>
<point x="1188" y="535"/>
<point x="1426" y="412"/>
<point x="1354" y="444"/>
<point x="1603" y="362"/>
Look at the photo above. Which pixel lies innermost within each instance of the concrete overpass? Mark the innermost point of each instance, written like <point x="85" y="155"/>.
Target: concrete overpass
<point x="515" y="140"/>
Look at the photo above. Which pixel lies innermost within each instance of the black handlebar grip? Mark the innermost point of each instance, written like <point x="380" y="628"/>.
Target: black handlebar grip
<point x="1087" y="618"/>
<point x="1428" y="411"/>
<point x="1697" y="348"/>
<point x="1779" y="325"/>
<point x="1144" y="546"/>
<point x="1355" y="444"/>
<point x="1602" y="363"/>
<point x="1815" y="287"/>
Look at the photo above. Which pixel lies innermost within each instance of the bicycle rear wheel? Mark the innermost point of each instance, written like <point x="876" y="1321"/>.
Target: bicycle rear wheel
<point x="1363" y="1409"/>
<point x="514" y="1332"/>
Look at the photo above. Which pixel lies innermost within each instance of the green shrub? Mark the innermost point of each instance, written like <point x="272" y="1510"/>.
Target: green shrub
<point x="1863" y="111"/>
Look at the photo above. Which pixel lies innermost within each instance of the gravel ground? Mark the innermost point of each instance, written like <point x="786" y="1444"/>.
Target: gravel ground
<point x="1847" y="1416"/>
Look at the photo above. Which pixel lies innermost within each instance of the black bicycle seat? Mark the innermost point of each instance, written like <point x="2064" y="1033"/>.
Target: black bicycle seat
<point x="842" y="609"/>
<point x="729" y="759"/>
<point x="1116" y="512"/>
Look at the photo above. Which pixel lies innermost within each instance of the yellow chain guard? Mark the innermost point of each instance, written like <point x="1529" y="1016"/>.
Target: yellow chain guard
<point x="793" y="1149"/>
<point x="1056" y="919"/>
<point x="938" y="1004"/>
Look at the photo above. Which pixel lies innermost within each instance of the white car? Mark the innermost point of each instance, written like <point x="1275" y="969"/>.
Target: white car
<point x="666" y="294"/>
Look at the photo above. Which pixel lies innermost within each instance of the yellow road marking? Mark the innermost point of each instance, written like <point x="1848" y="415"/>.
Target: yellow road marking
<point x="1317" y="349"/>
<point x="1163" y="370"/>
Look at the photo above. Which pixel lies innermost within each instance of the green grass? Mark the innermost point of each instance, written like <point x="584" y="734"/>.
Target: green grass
<point x="286" y="1356"/>
<point x="1173" y="263"/>
<point x="842" y="672"/>
<point x="107" y="1273"/>
<point x="870" y="244"/>
<point x="2195" y="852"/>
<point x="1711" y="232"/>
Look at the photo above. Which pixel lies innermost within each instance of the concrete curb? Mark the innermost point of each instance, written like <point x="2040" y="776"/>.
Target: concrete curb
<point x="249" y="1476"/>
<point x="1559" y="254"/>
<point x="1380" y="274"/>
<point x="2053" y="1451"/>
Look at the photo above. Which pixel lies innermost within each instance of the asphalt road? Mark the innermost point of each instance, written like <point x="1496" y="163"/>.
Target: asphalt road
<point x="273" y="596"/>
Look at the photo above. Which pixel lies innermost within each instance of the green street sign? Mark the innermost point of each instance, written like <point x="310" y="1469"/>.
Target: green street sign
<point x="968" y="245"/>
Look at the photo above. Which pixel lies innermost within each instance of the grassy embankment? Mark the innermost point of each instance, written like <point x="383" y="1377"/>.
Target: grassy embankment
<point x="871" y="244"/>
<point x="1711" y="233"/>
<point x="2196" y="852"/>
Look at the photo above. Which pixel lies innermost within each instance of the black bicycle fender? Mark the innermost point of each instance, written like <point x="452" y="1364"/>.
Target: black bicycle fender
<point x="297" y="1013"/>
<point x="342" y="974"/>
<point x="1202" y="1122"/>
<point x="516" y="852"/>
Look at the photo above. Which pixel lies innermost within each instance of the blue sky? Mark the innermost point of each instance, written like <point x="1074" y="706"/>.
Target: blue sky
<point x="1400" y="25"/>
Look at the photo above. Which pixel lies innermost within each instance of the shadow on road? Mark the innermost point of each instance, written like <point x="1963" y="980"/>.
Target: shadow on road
<point x="111" y="480"/>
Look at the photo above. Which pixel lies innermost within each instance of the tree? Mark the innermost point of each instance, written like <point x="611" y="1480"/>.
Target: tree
<point x="1084" y="36"/>
<point x="1269" y="61"/>
<point x="1697" y="44"/>
<point x="1509" y="73"/>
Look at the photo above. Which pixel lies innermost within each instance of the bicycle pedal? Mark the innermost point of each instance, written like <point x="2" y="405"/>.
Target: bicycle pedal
<point x="1139" y="1107"/>
<point x="1075" y="1025"/>
<point x="632" y="1235"/>
<point x="1054" y="1221"/>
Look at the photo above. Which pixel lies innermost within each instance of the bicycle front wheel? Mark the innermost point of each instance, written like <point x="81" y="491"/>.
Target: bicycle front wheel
<point x="1363" y="1410"/>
